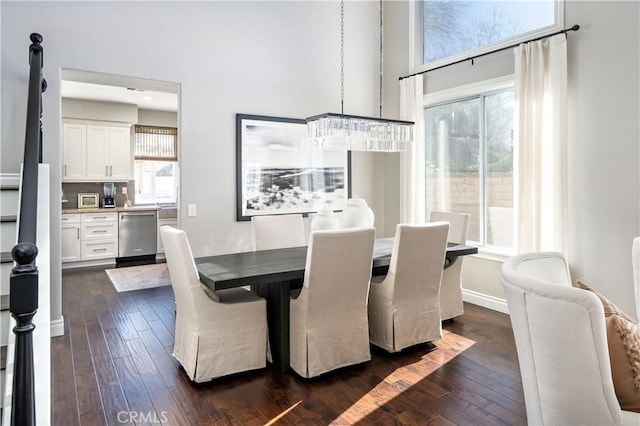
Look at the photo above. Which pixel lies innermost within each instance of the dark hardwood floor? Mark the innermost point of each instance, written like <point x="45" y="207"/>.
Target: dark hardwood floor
<point x="114" y="366"/>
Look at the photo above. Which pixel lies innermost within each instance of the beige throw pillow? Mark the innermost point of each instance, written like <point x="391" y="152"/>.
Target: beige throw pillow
<point x="623" y="339"/>
<point x="609" y="307"/>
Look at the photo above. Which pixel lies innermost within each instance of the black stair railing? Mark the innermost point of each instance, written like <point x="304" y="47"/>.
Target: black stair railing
<point x="23" y="290"/>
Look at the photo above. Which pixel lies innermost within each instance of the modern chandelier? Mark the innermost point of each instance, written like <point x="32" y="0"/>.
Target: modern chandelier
<point x="356" y="133"/>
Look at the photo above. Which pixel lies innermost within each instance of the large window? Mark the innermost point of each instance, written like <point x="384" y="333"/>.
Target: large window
<point x="469" y="161"/>
<point x="156" y="165"/>
<point x="458" y="29"/>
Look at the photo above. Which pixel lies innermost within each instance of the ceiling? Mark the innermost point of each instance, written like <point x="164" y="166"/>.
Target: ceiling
<point x="145" y="93"/>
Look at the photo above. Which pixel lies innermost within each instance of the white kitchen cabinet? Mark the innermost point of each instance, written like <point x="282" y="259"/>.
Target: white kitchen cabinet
<point x="99" y="249"/>
<point x="70" y="236"/>
<point x="97" y="152"/>
<point x="98" y="231"/>
<point x="119" y="153"/>
<point x="74" y="151"/>
<point x="99" y="235"/>
<point x="100" y="153"/>
<point x="165" y="222"/>
<point x="89" y="236"/>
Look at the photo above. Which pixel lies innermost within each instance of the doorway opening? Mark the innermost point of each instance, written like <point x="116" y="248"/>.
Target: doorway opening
<point x="144" y="165"/>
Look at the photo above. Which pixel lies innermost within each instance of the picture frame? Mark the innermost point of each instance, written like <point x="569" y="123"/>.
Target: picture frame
<point x="280" y="171"/>
<point x="88" y="201"/>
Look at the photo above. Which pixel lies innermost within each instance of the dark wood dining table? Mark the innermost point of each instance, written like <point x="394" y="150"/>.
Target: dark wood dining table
<point x="273" y="273"/>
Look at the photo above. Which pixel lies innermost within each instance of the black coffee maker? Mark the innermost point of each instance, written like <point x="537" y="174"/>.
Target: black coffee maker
<point x="109" y="191"/>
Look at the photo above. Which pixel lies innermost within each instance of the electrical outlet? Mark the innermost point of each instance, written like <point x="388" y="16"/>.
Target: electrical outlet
<point x="191" y="209"/>
<point x="124" y="189"/>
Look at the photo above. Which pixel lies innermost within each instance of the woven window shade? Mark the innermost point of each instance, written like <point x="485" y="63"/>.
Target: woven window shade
<point x="156" y="143"/>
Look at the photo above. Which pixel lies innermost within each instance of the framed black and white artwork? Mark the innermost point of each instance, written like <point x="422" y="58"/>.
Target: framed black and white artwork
<point x="280" y="171"/>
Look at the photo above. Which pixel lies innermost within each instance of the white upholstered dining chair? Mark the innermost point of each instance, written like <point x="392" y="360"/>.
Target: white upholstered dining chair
<point x="217" y="333"/>
<point x="561" y="340"/>
<point x="328" y="319"/>
<point x="404" y="308"/>
<point x="278" y="231"/>
<point x="451" y="304"/>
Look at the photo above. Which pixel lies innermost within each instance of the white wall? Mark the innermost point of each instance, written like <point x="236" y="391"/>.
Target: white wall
<point x="269" y="58"/>
<point x="102" y="111"/>
<point x="604" y="138"/>
<point x="604" y="134"/>
<point x="116" y="112"/>
<point x="151" y="117"/>
<point x="396" y="60"/>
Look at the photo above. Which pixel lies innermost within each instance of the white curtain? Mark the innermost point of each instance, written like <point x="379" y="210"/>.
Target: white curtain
<point x="412" y="161"/>
<point x="541" y="132"/>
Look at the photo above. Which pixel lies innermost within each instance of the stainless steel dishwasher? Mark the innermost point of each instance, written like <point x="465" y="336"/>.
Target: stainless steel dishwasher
<point x="137" y="234"/>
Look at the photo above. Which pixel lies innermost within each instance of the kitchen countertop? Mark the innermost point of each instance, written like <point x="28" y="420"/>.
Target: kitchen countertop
<point x="111" y="210"/>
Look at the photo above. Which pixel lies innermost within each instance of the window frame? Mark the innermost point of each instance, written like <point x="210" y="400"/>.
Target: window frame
<point x="138" y="172"/>
<point x="416" y="48"/>
<point x="461" y="93"/>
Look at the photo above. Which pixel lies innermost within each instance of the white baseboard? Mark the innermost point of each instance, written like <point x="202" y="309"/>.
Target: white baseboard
<point x="486" y="301"/>
<point x="84" y="263"/>
<point x="57" y="327"/>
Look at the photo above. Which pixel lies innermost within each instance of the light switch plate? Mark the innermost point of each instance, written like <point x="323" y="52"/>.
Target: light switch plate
<point x="124" y="189"/>
<point x="191" y="210"/>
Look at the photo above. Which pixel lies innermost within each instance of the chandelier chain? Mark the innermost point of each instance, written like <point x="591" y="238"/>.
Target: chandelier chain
<point x="358" y="133"/>
<point x="381" y="58"/>
<point x="342" y="56"/>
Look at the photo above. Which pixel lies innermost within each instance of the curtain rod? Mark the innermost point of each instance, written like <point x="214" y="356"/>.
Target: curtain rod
<point x="471" y="58"/>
